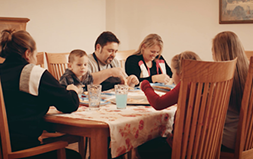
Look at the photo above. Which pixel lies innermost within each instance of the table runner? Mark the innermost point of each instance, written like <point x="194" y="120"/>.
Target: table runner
<point x="129" y="127"/>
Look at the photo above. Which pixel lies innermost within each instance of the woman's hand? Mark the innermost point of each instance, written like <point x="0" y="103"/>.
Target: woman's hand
<point x="161" y="78"/>
<point x="132" y="80"/>
<point x="74" y="88"/>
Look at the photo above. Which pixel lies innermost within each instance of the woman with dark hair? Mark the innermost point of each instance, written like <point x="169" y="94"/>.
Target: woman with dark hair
<point x="29" y="91"/>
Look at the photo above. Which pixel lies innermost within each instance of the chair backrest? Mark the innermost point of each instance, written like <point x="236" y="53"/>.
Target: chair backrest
<point x="40" y="59"/>
<point x="249" y="54"/>
<point x="244" y="140"/>
<point x="57" y="63"/>
<point x="202" y="105"/>
<point x="2" y="60"/>
<point x="122" y="56"/>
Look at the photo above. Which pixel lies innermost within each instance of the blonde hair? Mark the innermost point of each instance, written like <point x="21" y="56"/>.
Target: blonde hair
<point x="176" y="60"/>
<point x="149" y="41"/>
<point x="227" y="46"/>
<point x="78" y="53"/>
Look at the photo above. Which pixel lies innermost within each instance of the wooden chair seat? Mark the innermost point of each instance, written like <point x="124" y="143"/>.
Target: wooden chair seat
<point x="202" y="105"/>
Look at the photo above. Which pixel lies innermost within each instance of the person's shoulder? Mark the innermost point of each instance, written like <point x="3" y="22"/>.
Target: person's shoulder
<point x="32" y="69"/>
<point x="161" y="57"/>
<point x="30" y="78"/>
<point x="92" y="61"/>
<point x="115" y="62"/>
<point x="134" y="57"/>
<point x="90" y="57"/>
<point x="68" y="73"/>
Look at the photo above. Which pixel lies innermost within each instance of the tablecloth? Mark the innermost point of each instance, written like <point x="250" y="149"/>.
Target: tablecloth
<point x="129" y="127"/>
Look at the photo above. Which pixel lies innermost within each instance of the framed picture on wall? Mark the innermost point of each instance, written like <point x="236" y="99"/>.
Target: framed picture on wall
<point x="235" y="11"/>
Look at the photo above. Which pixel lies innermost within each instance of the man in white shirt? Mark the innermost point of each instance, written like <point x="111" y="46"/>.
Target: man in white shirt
<point x="103" y="65"/>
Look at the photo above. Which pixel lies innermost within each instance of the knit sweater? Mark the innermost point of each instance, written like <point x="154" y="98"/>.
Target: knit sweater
<point x="29" y="91"/>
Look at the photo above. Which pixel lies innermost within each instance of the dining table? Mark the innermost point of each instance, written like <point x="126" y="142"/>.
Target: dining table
<point x="121" y="130"/>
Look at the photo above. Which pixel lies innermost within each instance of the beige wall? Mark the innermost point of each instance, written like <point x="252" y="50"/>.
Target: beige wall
<point x="63" y="25"/>
<point x="60" y="25"/>
<point x="182" y="24"/>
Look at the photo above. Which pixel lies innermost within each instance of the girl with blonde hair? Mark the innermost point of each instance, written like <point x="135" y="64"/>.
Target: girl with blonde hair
<point x="147" y="62"/>
<point x="227" y="46"/>
<point x="161" y="147"/>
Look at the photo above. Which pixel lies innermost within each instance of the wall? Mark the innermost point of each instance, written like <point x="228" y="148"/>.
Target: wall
<point x="60" y="25"/>
<point x="63" y="25"/>
<point x="182" y="24"/>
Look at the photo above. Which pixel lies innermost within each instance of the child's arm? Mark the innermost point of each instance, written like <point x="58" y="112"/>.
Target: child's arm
<point x="159" y="103"/>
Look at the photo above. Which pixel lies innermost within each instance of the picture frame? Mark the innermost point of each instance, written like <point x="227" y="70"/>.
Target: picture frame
<point x="235" y="11"/>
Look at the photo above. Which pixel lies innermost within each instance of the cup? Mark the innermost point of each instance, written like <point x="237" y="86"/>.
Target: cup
<point x="94" y="96"/>
<point x="121" y="91"/>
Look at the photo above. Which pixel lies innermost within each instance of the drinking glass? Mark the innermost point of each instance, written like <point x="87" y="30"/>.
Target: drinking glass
<point x="94" y="95"/>
<point x="121" y="91"/>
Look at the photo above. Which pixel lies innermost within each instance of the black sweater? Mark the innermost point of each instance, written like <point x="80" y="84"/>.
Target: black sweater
<point x="132" y="67"/>
<point x="25" y="111"/>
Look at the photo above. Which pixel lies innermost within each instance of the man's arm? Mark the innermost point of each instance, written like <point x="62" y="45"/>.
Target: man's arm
<point x="100" y="76"/>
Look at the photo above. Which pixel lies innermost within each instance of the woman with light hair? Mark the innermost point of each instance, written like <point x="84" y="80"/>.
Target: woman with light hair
<point x="147" y="62"/>
<point x="227" y="46"/>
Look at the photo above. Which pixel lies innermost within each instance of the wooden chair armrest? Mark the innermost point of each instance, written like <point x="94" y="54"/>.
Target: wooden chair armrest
<point x="39" y="149"/>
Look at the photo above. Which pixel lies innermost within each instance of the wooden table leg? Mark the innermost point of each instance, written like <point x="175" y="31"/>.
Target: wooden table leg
<point x="82" y="146"/>
<point x="99" y="143"/>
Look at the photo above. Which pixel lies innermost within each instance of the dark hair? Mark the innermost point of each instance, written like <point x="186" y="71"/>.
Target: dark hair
<point x="78" y="53"/>
<point x="106" y="37"/>
<point x="16" y="42"/>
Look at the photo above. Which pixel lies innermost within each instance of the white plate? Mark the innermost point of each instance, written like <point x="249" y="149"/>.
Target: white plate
<point x="162" y="87"/>
<point x="134" y="100"/>
<point x="85" y="101"/>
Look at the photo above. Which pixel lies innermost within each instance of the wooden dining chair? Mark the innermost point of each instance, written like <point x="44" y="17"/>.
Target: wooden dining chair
<point x="7" y="152"/>
<point x="249" y="54"/>
<point x="244" y="138"/>
<point x="40" y="59"/>
<point x="122" y="56"/>
<point x="201" y="110"/>
<point x="57" y="63"/>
